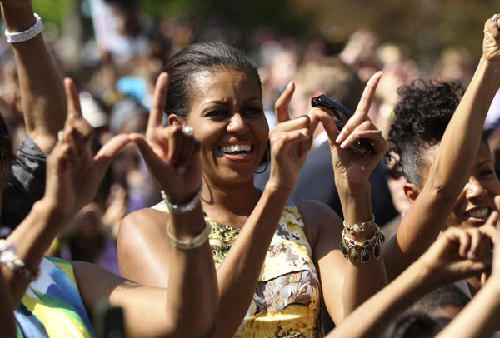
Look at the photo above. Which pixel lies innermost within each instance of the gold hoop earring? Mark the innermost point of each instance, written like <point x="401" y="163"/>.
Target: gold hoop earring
<point x="258" y="172"/>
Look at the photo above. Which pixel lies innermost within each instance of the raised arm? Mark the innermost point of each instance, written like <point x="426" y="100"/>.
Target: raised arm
<point x="458" y="148"/>
<point x="173" y="158"/>
<point x="42" y="92"/>
<point x="73" y="176"/>
<point x="347" y="283"/>
<point x="188" y="305"/>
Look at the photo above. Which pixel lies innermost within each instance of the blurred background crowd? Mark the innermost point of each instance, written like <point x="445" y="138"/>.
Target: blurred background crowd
<point x="115" y="49"/>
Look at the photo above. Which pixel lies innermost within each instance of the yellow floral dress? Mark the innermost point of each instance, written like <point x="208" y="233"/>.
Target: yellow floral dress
<point x="286" y="302"/>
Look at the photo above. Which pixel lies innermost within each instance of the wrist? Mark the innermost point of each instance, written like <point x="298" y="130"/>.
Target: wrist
<point x="490" y="67"/>
<point x="182" y="203"/>
<point x="18" y="16"/>
<point x="277" y="188"/>
<point x="356" y="203"/>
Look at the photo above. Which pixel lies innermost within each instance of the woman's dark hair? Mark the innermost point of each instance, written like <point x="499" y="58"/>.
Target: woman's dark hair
<point x="196" y="58"/>
<point x="420" y="119"/>
<point x="417" y="325"/>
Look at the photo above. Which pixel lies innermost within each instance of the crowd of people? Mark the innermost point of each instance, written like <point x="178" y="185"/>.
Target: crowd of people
<point x="216" y="201"/>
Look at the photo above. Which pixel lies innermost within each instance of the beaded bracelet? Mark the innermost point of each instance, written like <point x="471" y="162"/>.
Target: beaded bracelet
<point x="9" y="259"/>
<point x="26" y="35"/>
<point x="357" y="229"/>
<point x="363" y="250"/>
<point x="181" y="208"/>
<point x="191" y="243"/>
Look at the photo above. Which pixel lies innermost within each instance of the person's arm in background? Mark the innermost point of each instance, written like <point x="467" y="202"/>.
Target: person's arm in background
<point x="44" y="112"/>
<point x="42" y="92"/>
<point x="458" y="148"/>
<point x="447" y="260"/>
<point x="48" y="216"/>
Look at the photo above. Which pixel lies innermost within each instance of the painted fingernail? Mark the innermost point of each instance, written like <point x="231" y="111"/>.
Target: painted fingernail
<point x="289" y="85"/>
<point x="340" y="137"/>
<point x="344" y="144"/>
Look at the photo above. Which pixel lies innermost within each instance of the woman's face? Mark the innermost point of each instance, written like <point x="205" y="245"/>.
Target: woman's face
<point x="475" y="203"/>
<point x="227" y="117"/>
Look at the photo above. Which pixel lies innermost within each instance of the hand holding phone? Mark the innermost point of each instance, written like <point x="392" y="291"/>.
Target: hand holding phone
<point x="362" y="146"/>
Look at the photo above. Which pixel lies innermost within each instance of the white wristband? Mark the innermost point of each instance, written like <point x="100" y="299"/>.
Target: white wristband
<point x="28" y="34"/>
<point x="178" y="209"/>
<point x="9" y="259"/>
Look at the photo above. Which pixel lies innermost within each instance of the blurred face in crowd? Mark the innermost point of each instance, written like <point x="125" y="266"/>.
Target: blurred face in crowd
<point x="227" y="117"/>
<point x="475" y="203"/>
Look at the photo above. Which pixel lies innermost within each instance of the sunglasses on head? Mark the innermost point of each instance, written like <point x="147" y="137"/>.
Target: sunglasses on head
<point x="362" y="146"/>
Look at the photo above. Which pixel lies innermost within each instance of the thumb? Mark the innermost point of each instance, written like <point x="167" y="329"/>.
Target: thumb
<point x="108" y="152"/>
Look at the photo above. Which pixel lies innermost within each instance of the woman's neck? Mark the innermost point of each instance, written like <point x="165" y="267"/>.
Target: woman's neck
<point x="230" y="204"/>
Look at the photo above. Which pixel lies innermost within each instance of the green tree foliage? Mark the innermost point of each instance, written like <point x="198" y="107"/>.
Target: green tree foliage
<point x="245" y="15"/>
<point x="54" y="11"/>
<point x="423" y="27"/>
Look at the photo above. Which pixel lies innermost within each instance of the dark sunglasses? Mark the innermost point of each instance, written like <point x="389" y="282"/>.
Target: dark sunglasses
<point x="336" y="108"/>
<point x="362" y="146"/>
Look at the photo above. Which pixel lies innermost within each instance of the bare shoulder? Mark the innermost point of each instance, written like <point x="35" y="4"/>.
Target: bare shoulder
<point x="143" y="247"/>
<point x="320" y="221"/>
<point x="142" y="221"/>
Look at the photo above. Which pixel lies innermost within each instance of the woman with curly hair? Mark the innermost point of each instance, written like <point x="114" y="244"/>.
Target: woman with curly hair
<point x="451" y="179"/>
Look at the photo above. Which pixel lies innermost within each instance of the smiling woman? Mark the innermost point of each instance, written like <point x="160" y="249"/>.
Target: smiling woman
<point x="421" y="117"/>
<point x="228" y="119"/>
<point x="261" y="246"/>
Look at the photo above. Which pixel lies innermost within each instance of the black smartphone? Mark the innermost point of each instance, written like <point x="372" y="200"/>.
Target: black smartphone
<point x="362" y="146"/>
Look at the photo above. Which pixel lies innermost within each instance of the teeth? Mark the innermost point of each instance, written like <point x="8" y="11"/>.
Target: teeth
<point x="478" y="213"/>
<point x="237" y="148"/>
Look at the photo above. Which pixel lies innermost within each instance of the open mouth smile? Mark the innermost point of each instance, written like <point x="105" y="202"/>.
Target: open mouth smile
<point x="237" y="152"/>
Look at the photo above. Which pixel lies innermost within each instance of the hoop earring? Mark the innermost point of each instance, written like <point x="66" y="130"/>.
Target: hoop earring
<point x="258" y="172"/>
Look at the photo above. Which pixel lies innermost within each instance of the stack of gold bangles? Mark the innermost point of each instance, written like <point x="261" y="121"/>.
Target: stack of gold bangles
<point x="362" y="250"/>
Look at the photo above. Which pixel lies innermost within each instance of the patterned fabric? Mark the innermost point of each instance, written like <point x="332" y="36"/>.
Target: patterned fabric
<point x="52" y="305"/>
<point x="286" y="302"/>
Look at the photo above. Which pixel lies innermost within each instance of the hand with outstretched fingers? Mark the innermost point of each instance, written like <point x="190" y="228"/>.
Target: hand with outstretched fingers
<point x="73" y="174"/>
<point x="491" y="41"/>
<point x="459" y="253"/>
<point x="171" y="154"/>
<point x="355" y="167"/>
<point x="290" y="142"/>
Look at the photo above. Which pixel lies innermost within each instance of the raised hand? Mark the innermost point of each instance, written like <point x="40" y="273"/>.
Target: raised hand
<point x="459" y="253"/>
<point x="73" y="174"/>
<point x="355" y="167"/>
<point x="491" y="40"/>
<point x="290" y="141"/>
<point x="171" y="154"/>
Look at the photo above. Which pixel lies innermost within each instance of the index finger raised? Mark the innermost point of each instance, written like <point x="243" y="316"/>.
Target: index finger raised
<point x="74" y="110"/>
<point x="282" y="103"/>
<point x="363" y="107"/>
<point x="159" y="100"/>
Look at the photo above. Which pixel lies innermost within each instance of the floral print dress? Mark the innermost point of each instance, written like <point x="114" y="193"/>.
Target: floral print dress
<point x="286" y="302"/>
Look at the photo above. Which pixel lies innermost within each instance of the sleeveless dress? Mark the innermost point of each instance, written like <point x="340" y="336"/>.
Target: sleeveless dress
<point x="286" y="302"/>
<point x="52" y="305"/>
